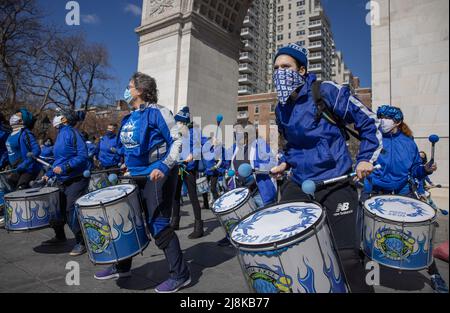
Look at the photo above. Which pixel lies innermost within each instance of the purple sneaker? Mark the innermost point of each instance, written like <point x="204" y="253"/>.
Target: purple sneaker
<point x="111" y="273"/>
<point x="172" y="285"/>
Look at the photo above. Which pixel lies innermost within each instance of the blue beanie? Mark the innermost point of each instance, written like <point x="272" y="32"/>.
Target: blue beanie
<point x="295" y="51"/>
<point x="27" y="117"/>
<point x="183" y="116"/>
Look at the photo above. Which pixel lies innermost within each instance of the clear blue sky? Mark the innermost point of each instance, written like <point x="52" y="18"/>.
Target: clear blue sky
<point x="112" y="22"/>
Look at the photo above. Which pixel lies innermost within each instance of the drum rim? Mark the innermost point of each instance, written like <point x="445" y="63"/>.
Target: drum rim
<point x="305" y="234"/>
<point x="121" y="259"/>
<point x="426" y="222"/>
<point x="106" y="203"/>
<point x="236" y="207"/>
<point x="30" y="197"/>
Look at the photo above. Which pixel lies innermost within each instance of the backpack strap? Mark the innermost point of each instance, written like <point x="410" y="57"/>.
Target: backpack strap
<point x="27" y="137"/>
<point x="323" y="111"/>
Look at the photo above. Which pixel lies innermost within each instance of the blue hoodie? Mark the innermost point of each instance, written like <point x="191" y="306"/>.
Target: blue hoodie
<point x="70" y="154"/>
<point x="107" y="157"/>
<point x="400" y="161"/>
<point x="317" y="150"/>
<point x="4" y="134"/>
<point x="19" y="144"/>
<point x="210" y="158"/>
<point x="149" y="139"/>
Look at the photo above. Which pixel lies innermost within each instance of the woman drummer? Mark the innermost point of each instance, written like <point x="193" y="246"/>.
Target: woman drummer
<point x="401" y="166"/>
<point x="71" y="160"/>
<point x="22" y="149"/>
<point x="151" y="145"/>
<point x="316" y="148"/>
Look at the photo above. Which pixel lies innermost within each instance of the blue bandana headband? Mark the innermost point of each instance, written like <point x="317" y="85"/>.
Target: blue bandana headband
<point x="391" y="112"/>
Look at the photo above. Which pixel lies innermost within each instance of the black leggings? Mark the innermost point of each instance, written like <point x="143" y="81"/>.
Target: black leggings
<point x="191" y="184"/>
<point x="341" y="204"/>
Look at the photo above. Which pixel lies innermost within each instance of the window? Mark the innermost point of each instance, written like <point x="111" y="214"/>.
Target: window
<point x="256" y="109"/>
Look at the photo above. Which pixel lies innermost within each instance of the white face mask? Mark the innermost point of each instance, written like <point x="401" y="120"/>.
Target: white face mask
<point x="15" y="120"/>
<point x="387" y="125"/>
<point x="57" y="121"/>
<point x="182" y="128"/>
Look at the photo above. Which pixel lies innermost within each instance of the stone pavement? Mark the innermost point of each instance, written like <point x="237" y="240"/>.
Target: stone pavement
<point x="25" y="266"/>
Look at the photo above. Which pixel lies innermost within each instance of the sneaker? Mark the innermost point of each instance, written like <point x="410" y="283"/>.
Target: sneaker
<point x="225" y="242"/>
<point x="111" y="273"/>
<point x="172" y="285"/>
<point x="54" y="242"/>
<point x="79" y="249"/>
<point x="2" y="221"/>
<point x="438" y="283"/>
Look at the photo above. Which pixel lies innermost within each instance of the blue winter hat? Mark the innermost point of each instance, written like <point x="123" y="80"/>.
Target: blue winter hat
<point x="388" y="111"/>
<point x="27" y="117"/>
<point x="297" y="52"/>
<point x="183" y="116"/>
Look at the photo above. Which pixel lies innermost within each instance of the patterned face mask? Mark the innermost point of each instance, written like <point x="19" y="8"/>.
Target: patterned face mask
<point x="286" y="82"/>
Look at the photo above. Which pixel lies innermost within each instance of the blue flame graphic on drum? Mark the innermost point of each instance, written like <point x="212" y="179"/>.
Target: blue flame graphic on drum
<point x="18" y="218"/>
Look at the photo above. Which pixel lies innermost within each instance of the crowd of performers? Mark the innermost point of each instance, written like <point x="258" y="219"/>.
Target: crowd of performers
<point x="170" y="151"/>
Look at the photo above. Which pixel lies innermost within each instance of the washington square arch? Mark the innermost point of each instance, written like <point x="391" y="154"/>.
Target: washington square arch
<point x="191" y="47"/>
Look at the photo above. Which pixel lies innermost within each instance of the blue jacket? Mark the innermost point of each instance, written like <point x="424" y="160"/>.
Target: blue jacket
<point x="92" y="150"/>
<point x="70" y="153"/>
<point x="28" y="143"/>
<point x="317" y="150"/>
<point x="4" y="133"/>
<point x="47" y="153"/>
<point x="108" y="155"/>
<point x="211" y="156"/>
<point x="400" y="162"/>
<point x="191" y="144"/>
<point x="159" y="142"/>
<point x="261" y="158"/>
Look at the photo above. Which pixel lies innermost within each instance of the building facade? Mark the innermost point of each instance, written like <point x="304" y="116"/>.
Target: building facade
<point x="410" y="69"/>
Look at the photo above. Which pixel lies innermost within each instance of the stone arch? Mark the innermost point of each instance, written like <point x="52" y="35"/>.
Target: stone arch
<point x="192" y="48"/>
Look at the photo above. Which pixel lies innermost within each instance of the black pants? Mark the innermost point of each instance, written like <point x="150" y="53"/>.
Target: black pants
<point x="21" y="181"/>
<point x="212" y="180"/>
<point x="157" y="199"/>
<point x="70" y="192"/>
<point x="191" y="184"/>
<point x="341" y="204"/>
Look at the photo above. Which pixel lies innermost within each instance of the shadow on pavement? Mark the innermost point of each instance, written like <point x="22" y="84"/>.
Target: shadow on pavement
<point x="59" y="249"/>
<point x="405" y="280"/>
<point x="203" y="255"/>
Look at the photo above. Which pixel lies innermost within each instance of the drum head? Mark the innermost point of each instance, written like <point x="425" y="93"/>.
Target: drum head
<point x="231" y="200"/>
<point x="106" y="195"/>
<point x="278" y="224"/>
<point x="202" y="180"/>
<point x="399" y="209"/>
<point x="32" y="192"/>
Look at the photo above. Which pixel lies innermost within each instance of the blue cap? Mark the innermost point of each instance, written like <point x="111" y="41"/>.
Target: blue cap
<point x="183" y="116"/>
<point x="391" y="112"/>
<point x="297" y="52"/>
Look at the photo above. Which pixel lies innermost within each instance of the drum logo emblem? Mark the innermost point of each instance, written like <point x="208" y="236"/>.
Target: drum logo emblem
<point x="265" y="280"/>
<point x="99" y="235"/>
<point x="394" y="244"/>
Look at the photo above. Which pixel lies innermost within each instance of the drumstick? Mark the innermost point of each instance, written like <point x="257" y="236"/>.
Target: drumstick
<point x="7" y="172"/>
<point x="245" y="170"/>
<point x="433" y="139"/>
<point x="88" y="173"/>
<point x="309" y="187"/>
<point x="31" y="155"/>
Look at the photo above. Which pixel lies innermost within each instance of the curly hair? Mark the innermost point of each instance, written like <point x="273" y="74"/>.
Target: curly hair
<point x="147" y="86"/>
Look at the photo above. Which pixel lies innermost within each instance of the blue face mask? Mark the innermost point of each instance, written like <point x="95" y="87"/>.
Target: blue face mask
<point x="127" y="96"/>
<point x="286" y="82"/>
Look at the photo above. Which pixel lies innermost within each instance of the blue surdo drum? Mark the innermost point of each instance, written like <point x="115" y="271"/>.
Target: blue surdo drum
<point x="287" y="248"/>
<point x="112" y="223"/>
<point x="398" y="232"/>
<point x="231" y="207"/>
<point x="31" y="209"/>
